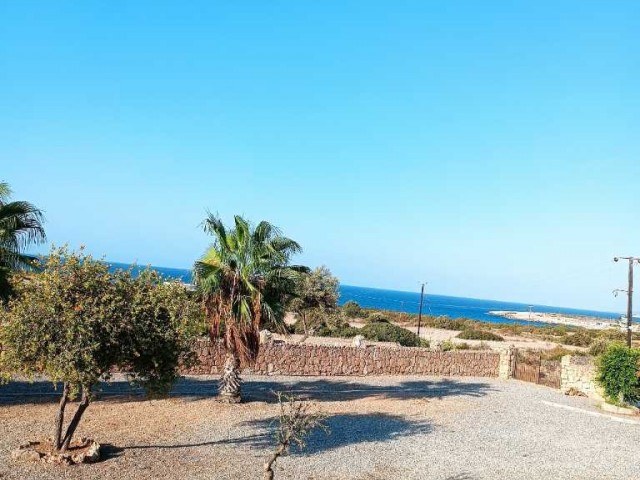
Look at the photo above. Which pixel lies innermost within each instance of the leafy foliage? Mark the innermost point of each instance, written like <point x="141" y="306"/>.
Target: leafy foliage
<point x="377" y="317"/>
<point x="329" y="325"/>
<point x="20" y="226"/>
<point x="315" y="292"/>
<point x="471" y="334"/>
<point x="75" y="321"/>
<point x="352" y="309"/>
<point x="315" y="289"/>
<point x="388" y="332"/>
<point x="245" y="278"/>
<point x="618" y="370"/>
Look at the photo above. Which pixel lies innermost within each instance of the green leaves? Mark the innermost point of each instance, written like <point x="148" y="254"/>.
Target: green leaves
<point x="618" y="370"/>
<point x="244" y="279"/>
<point x="75" y="321"/>
<point x="20" y="226"/>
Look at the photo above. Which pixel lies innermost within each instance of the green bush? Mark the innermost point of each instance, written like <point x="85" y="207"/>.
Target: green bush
<point x="377" y="317"/>
<point x="447" y="323"/>
<point x="447" y="346"/>
<point x="352" y="309"/>
<point x="618" y="373"/>
<point x="471" y="334"/>
<point x="74" y="321"/>
<point x="387" y="332"/>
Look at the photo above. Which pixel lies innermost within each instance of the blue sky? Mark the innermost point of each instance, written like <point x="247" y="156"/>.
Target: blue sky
<point x="490" y="148"/>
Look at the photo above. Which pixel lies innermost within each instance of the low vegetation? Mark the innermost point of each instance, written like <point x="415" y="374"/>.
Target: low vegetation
<point x="387" y="332"/>
<point x="560" y="334"/>
<point x="618" y="370"/>
<point x="473" y="334"/>
<point x="352" y="309"/>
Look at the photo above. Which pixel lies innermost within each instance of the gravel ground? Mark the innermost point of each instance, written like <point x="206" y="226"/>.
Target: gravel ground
<point x="381" y="427"/>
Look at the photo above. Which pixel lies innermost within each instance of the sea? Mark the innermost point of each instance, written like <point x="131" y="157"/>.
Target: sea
<point x="409" y="302"/>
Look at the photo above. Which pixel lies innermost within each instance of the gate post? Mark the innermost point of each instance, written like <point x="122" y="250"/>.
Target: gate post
<point x="507" y="364"/>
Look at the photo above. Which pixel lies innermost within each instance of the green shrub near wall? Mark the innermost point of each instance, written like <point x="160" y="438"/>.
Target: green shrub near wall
<point x="388" y="332"/>
<point x="471" y="334"/>
<point x="618" y="371"/>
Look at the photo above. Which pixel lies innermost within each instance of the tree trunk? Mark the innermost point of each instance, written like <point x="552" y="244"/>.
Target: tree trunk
<point x="304" y="324"/>
<point x="84" y="403"/>
<point x="229" y="385"/>
<point x="57" y="434"/>
<point x="268" y="466"/>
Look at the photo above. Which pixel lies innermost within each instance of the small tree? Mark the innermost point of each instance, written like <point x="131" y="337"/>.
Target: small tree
<point x="75" y="321"/>
<point x="297" y="419"/>
<point x="315" y="291"/>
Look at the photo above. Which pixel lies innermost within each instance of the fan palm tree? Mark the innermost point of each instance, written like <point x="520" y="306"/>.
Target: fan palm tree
<point x="20" y="226"/>
<point x="244" y="278"/>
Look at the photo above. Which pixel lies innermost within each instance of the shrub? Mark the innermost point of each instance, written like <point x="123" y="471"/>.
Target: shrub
<point x="352" y="309"/>
<point x="599" y="346"/>
<point x="471" y="334"/>
<point x="618" y="373"/>
<point x="463" y="346"/>
<point x="581" y="338"/>
<point x="447" y="346"/>
<point x="447" y="323"/>
<point x="330" y="325"/>
<point x="555" y="353"/>
<point x="387" y="332"/>
<point x="75" y="321"/>
<point x="377" y="317"/>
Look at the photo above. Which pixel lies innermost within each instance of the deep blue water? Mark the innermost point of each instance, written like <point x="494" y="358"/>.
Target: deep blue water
<point x="436" y="305"/>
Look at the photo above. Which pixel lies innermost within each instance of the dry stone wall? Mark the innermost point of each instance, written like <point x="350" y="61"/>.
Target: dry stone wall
<point x="579" y="373"/>
<point x="321" y="360"/>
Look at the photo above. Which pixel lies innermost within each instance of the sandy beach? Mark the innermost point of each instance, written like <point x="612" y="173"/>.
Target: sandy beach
<point x="593" y="323"/>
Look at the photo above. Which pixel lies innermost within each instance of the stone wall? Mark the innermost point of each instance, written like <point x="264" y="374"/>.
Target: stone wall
<point x="579" y="373"/>
<point x="317" y="360"/>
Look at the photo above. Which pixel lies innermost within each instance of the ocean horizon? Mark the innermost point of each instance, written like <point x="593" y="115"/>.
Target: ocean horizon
<point x="409" y="302"/>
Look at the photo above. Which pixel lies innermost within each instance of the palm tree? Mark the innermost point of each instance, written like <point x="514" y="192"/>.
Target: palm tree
<point x="244" y="278"/>
<point x="20" y="226"/>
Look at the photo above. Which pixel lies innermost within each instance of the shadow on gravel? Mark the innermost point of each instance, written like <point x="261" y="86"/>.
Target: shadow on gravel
<point x="192" y="388"/>
<point x="347" y="429"/>
<point x="334" y="389"/>
<point x="19" y="392"/>
<point x="344" y="430"/>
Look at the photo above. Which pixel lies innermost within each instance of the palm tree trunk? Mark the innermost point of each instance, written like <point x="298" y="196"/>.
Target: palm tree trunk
<point x="229" y="385"/>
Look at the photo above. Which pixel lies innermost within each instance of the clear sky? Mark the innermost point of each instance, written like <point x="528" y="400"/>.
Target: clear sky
<point x="490" y="148"/>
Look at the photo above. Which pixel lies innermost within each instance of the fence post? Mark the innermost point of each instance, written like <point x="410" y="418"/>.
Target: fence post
<point x="507" y="362"/>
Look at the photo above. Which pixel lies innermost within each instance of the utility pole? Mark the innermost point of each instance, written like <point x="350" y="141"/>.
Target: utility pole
<point x="420" y="311"/>
<point x="629" y="291"/>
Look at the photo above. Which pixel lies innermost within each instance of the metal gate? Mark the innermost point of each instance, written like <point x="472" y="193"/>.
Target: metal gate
<point x="530" y="367"/>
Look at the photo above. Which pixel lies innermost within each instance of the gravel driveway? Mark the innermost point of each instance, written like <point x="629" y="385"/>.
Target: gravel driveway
<point x="381" y="427"/>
